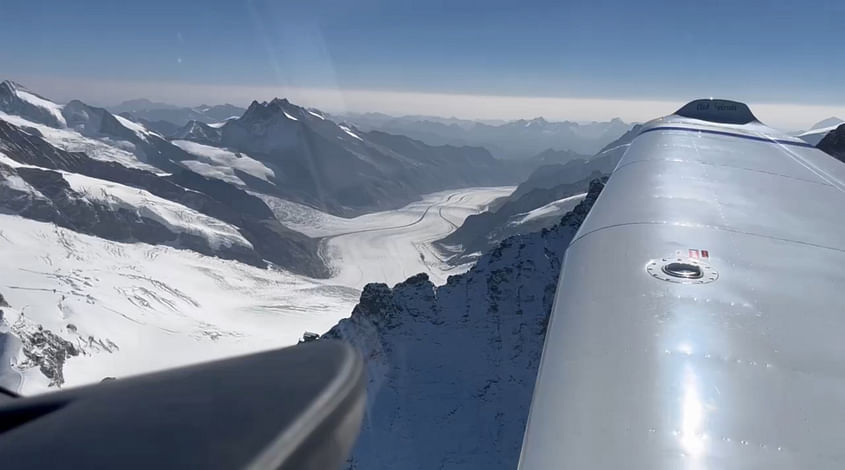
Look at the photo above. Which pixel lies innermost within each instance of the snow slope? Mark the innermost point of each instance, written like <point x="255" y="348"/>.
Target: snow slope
<point x="176" y="217"/>
<point x="132" y="308"/>
<point x="17" y="99"/>
<point x="552" y="209"/>
<point x="104" y="149"/>
<point x="225" y="161"/>
<point x="135" y="127"/>
<point x="54" y="109"/>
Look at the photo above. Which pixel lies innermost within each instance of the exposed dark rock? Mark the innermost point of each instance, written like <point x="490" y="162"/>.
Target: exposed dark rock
<point x="834" y="143"/>
<point x="43" y="349"/>
<point x="308" y="337"/>
<point x="199" y="132"/>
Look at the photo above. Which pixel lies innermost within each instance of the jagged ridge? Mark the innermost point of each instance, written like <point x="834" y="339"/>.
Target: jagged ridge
<point x="452" y="368"/>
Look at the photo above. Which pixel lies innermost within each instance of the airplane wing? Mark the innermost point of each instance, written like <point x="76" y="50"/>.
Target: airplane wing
<point x="297" y="408"/>
<point x="699" y="320"/>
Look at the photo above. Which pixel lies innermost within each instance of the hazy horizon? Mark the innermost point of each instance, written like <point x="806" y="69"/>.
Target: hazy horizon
<point x="787" y="116"/>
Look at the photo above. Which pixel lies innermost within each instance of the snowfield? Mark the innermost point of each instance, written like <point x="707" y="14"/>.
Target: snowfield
<point x="176" y="217"/>
<point x="54" y="109"/>
<point x="67" y="139"/>
<point x="217" y="160"/>
<point x="349" y="132"/>
<point x="133" y="308"/>
<point x="130" y="308"/>
<point x="135" y="127"/>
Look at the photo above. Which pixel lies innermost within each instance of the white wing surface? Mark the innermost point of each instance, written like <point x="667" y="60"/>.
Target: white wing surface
<point x="699" y="320"/>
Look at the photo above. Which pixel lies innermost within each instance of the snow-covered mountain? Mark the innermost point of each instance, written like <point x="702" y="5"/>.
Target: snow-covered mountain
<point x="339" y="169"/>
<point x="225" y="172"/>
<point x="183" y="209"/>
<point x="515" y="139"/>
<point x="459" y="359"/>
<point x="19" y="100"/>
<point x="124" y="252"/>
<point x="298" y="153"/>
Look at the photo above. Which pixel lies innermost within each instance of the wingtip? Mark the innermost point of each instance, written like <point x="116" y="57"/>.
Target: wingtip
<point x="718" y="110"/>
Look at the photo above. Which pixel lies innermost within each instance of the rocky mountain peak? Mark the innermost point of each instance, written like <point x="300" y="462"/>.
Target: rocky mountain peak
<point x="268" y="110"/>
<point x="537" y="121"/>
<point x="280" y="102"/>
<point x="7" y="86"/>
<point x="10" y="86"/>
<point x="19" y="100"/>
<point x="200" y="132"/>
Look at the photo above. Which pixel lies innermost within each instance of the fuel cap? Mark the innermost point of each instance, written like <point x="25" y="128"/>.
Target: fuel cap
<point x="682" y="270"/>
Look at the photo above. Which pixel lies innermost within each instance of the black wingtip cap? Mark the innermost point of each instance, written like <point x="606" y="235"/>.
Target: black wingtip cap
<point x="717" y="110"/>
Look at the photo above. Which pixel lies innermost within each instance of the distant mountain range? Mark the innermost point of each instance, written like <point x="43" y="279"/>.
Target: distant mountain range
<point x="537" y="203"/>
<point x="143" y="109"/>
<point x="508" y="140"/>
<point x="504" y="139"/>
<point x="167" y="119"/>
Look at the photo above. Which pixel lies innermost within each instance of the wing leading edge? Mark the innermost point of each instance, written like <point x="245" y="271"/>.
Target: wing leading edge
<point x="738" y="361"/>
<point x="295" y="408"/>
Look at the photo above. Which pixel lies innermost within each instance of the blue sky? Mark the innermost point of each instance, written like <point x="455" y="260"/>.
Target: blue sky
<point x="758" y="51"/>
